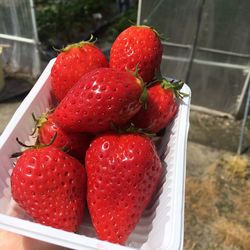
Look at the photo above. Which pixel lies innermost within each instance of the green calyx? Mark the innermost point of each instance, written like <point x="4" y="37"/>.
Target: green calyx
<point x="175" y="86"/>
<point x="135" y="73"/>
<point x="161" y="36"/>
<point x="38" y="124"/>
<point x="36" y="146"/>
<point x="132" y="129"/>
<point x="144" y="93"/>
<point x="91" y="41"/>
<point x="41" y="120"/>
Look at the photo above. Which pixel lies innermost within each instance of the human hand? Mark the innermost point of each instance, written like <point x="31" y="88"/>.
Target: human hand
<point x="10" y="241"/>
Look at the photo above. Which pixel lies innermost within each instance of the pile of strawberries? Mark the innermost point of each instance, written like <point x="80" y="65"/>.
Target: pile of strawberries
<point x="90" y="149"/>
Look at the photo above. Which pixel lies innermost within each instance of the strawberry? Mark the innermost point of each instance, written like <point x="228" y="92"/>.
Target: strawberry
<point x="72" y="63"/>
<point x="123" y="171"/>
<point x="101" y="98"/>
<point x="137" y="46"/>
<point x="161" y="106"/>
<point x="50" y="186"/>
<point x="75" y="144"/>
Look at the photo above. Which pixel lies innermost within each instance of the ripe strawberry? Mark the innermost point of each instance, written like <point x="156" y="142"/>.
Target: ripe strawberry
<point x="123" y="171"/>
<point x="72" y="63"/>
<point x="137" y="46"/>
<point x="101" y="98"/>
<point x="50" y="186"/>
<point x="161" y="106"/>
<point x="75" y="144"/>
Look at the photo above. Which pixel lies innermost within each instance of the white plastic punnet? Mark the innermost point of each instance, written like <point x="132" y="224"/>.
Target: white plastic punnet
<point x="161" y="226"/>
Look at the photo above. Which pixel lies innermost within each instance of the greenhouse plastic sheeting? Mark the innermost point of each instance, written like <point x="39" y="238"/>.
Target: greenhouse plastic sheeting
<point x="207" y="44"/>
<point x="16" y="21"/>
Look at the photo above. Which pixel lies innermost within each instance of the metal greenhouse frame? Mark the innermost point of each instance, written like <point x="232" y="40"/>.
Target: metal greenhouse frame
<point x="241" y="107"/>
<point x="33" y="41"/>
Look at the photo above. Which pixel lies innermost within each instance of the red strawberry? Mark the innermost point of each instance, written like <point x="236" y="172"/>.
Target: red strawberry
<point x="101" y="98"/>
<point x="137" y="46"/>
<point x="75" y="144"/>
<point x="123" y="171"/>
<point x="161" y="107"/>
<point x="50" y="186"/>
<point x="72" y="63"/>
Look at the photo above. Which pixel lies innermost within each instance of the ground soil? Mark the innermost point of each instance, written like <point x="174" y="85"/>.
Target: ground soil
<point x="217" y="200"/>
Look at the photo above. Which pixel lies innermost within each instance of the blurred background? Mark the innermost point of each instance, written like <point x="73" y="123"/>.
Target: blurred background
<point x="207" y="45"/>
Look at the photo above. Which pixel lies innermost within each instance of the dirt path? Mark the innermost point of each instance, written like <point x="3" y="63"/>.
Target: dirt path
<point x="217" y="200"/>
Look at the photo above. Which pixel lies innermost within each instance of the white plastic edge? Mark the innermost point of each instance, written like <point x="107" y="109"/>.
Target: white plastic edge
<point x="26" y="103"/>
<point x="55" y="236"/>
<point x="74" y="241"/>
<point x="179" y="185"/>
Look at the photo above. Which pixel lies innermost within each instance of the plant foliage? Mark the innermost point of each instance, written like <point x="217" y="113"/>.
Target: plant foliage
<point x="62" y="21"/>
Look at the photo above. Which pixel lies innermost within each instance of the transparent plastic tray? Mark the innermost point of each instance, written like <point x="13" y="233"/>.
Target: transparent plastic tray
<point x="161" y="226"/>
